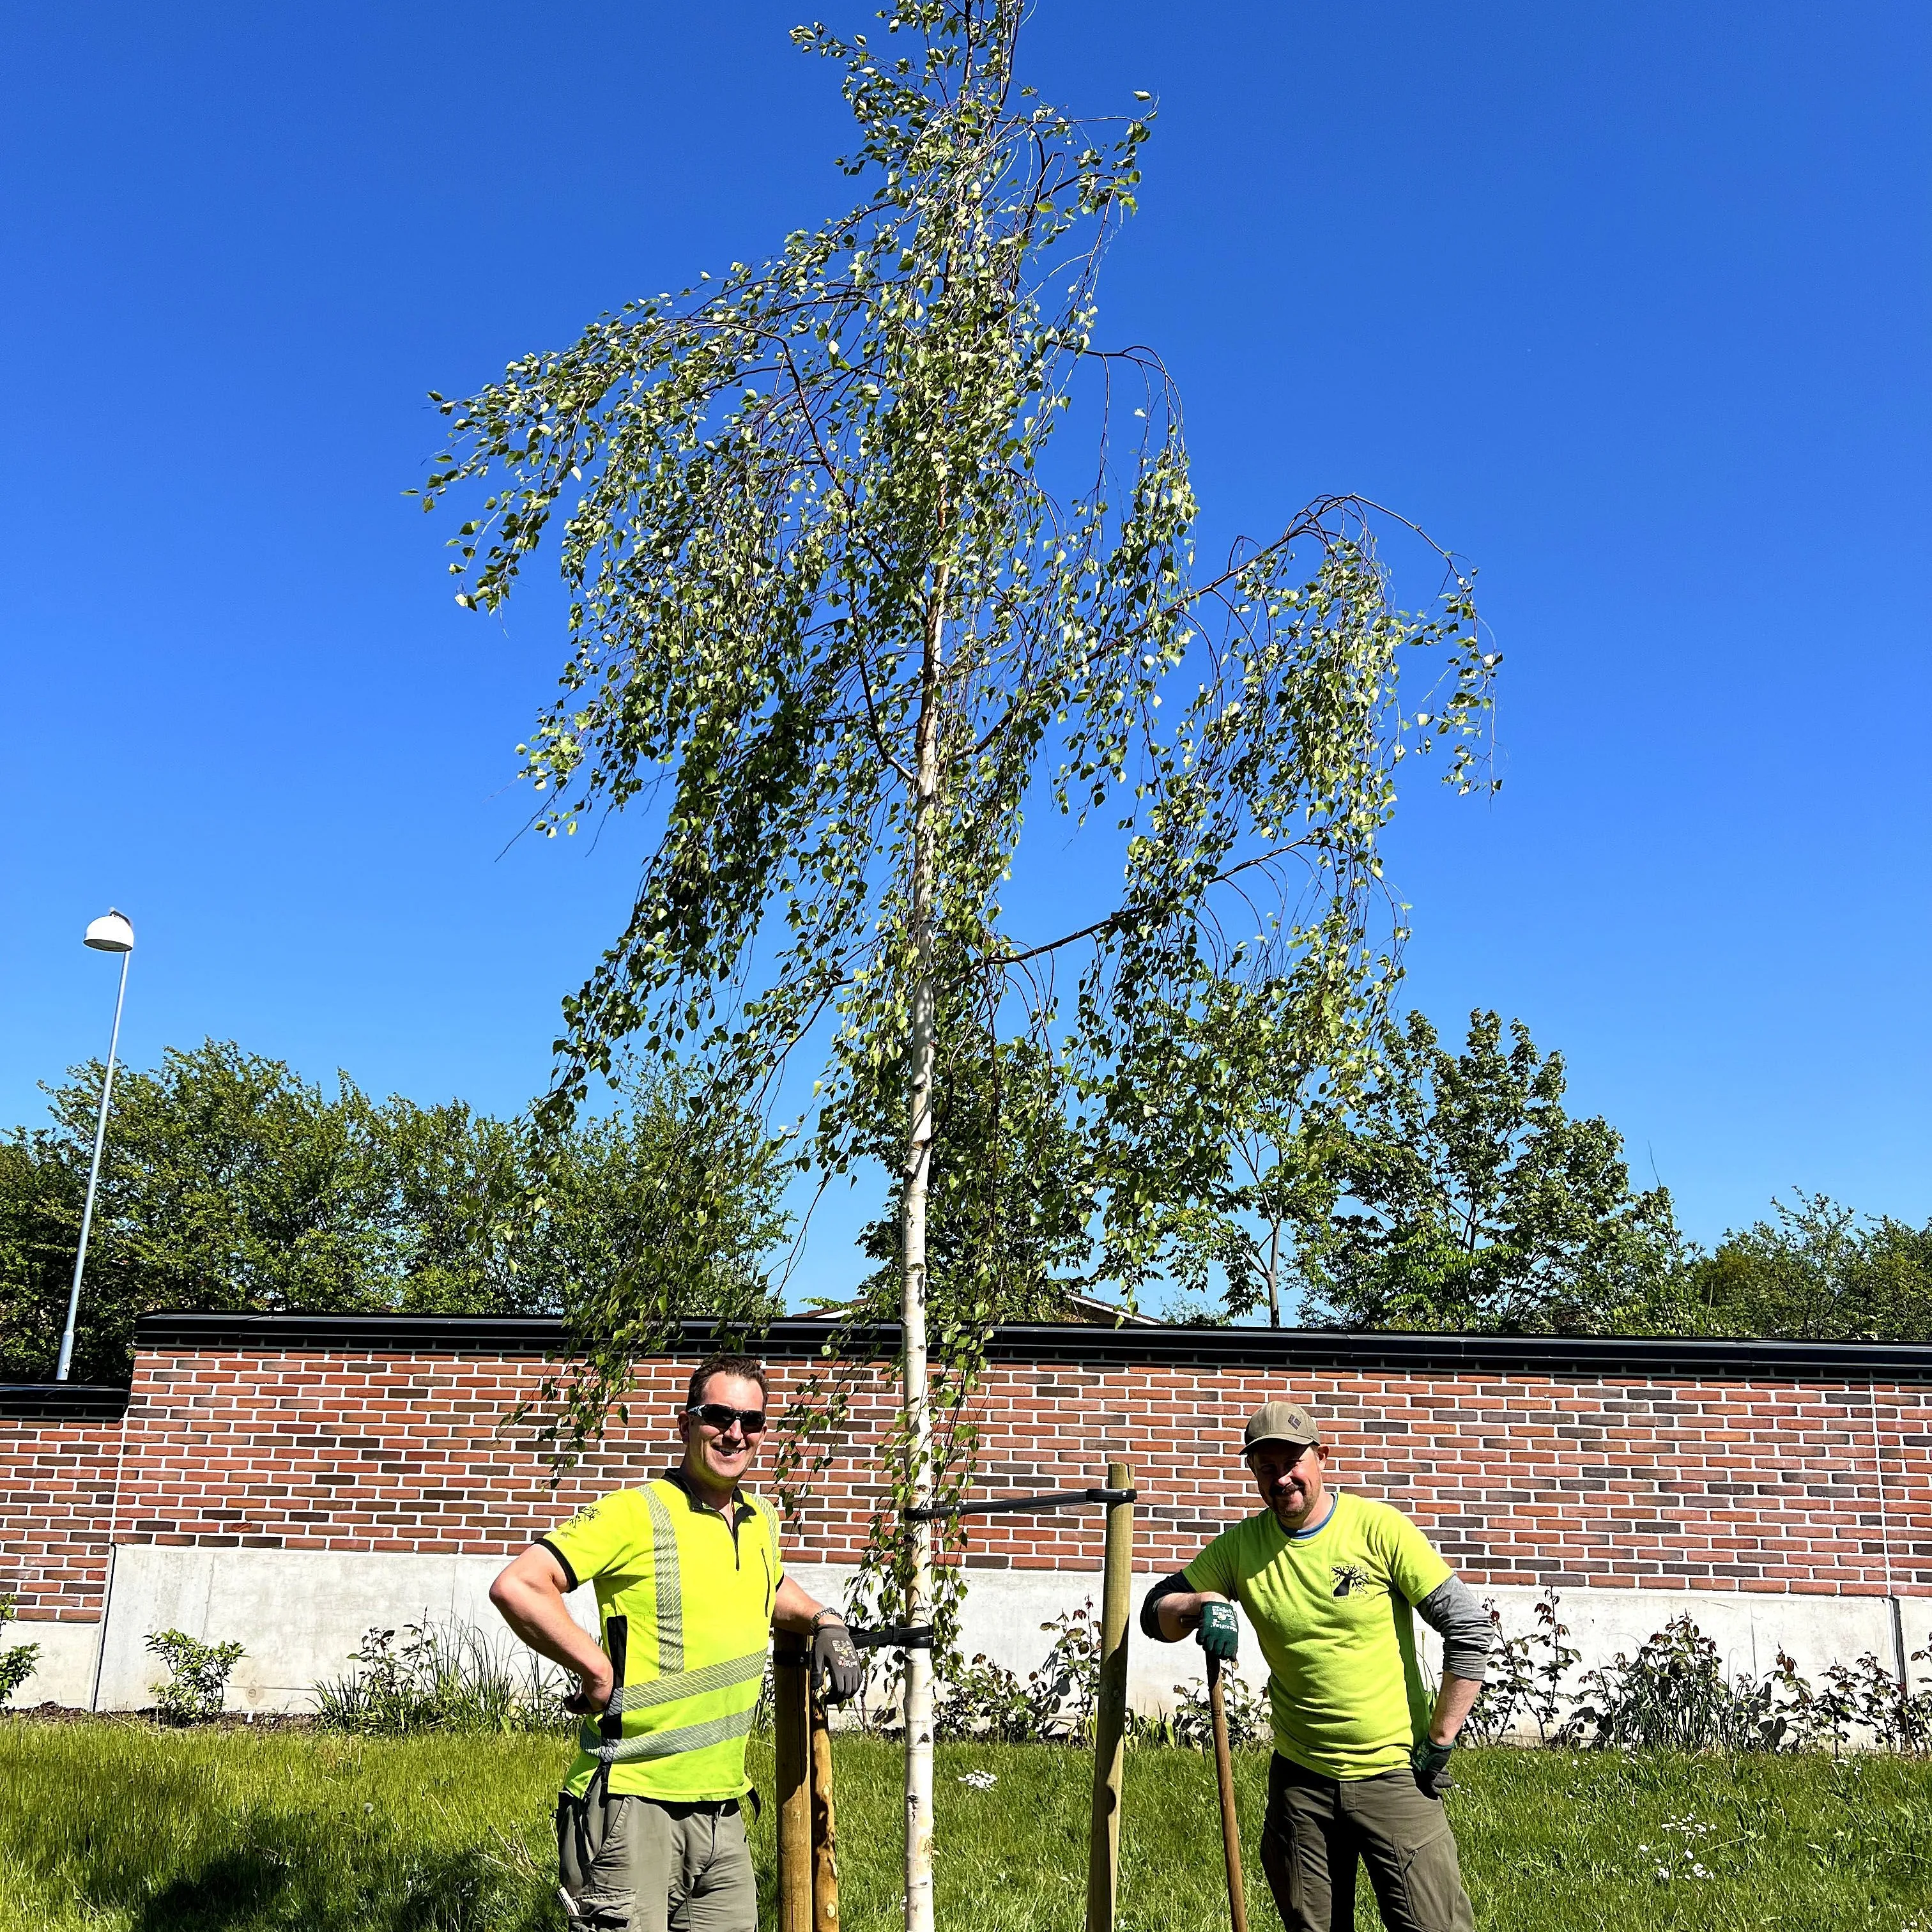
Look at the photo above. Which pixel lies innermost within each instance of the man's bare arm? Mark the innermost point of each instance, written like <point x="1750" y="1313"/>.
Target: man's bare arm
<point x="1452" y="1705"/>
<point x="529" y="1594"/>
<point x="792" y="1609"/>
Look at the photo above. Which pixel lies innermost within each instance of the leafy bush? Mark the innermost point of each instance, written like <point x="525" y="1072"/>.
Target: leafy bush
<point x="441" y="1678"/>
<point x="1191" y="1723"/>
<point x="1673" y="1695"/>
<point x="17" y="1665"/>
<point x="986" y="1701"/>
<point x="199" y="1683"/>
<point x="1526" y="1677"/>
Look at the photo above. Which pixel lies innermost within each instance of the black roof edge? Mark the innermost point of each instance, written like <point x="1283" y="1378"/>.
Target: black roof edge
<point x="44" y="1402"/>
<point x="1287" y="1350"/>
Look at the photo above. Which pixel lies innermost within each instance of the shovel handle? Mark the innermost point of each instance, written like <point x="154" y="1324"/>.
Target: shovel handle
<point x="1224" y="1776"/>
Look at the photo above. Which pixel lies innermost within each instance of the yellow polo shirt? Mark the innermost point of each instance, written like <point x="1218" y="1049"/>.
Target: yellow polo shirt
<point x="685" y="1598"/>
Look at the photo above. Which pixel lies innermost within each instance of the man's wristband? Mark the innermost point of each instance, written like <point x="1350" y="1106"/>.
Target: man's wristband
<point x="825" y="1617"/>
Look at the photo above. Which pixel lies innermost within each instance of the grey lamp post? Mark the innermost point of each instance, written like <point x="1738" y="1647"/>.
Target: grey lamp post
<point x="112" y="934"/>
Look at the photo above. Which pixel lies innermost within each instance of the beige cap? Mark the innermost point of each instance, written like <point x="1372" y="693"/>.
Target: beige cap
<point x="1280" y="1422"/>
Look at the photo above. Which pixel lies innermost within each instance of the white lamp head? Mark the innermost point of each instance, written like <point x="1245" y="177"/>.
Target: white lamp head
<point x="111" y="934"/>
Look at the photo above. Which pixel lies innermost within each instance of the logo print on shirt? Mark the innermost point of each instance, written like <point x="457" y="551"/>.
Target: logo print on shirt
<point x="1347" y="1578"/>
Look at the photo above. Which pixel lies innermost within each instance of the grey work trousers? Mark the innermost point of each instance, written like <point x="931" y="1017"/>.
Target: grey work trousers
<point x="636" y="1864"/>
<point x="1317" y="1828"/>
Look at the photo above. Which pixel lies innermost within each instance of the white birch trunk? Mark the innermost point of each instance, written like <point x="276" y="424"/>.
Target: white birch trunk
<point x="918" y="1178"/>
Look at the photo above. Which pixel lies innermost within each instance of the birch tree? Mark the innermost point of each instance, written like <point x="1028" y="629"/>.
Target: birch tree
<point x="842" y="614"/>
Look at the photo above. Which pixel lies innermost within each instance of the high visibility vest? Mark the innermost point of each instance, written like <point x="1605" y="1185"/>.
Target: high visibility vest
<point x="684" y="1597"/>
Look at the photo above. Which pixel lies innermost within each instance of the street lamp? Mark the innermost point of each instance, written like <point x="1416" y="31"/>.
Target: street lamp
<point x="110" y="933"/>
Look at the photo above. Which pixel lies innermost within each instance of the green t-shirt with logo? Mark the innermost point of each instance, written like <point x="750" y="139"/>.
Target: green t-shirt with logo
<point x="1330" y="1609"/>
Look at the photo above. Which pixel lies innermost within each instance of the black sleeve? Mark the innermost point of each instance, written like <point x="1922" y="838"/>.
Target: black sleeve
<point x="1168" y="1586"/>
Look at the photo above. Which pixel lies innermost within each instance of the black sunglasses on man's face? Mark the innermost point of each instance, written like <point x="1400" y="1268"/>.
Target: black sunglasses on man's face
<point x="716" y="1415"/>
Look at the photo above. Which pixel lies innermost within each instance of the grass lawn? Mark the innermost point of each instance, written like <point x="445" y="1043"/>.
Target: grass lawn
<point x="114" y="1825"/>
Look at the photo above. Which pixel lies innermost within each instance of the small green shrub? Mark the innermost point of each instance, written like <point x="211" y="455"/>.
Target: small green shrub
<point x="198" y="1683"/>
<point x="1190" y="1724"/>
<point x="985" y="1701"/>
<point x="441" y="1677"/>
<point x="1525" y="1679"/>
<point x="17" y="1665"/>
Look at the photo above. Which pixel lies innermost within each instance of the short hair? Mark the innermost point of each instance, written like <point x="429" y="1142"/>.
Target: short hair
<point x="748" y="1367"/>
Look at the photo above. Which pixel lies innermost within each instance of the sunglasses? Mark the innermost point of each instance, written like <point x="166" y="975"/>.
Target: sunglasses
<point x="716" y="1415"/>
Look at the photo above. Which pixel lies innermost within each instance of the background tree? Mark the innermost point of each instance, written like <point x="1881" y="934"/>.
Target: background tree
<point x="829" y="618"/>
<point x="1817" y="1272"/>
<point x="1461" y="1195"/>
<point x="1220" y="1129"/>
<point x="1013" y="1189"/>
<point x="231" y="1184"/>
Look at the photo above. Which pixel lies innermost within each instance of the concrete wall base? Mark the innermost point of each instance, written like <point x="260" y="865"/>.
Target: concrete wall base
<point x="300" y="1614"/>
<point x="63" y="1673"/>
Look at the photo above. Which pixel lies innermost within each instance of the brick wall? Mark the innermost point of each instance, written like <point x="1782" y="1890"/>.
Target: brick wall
<point x="1652" y="1466"/>
<point x="59" y="1450"/>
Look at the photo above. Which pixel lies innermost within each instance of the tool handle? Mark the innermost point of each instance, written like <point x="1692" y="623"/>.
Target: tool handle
<point x="1224" y="1776"/>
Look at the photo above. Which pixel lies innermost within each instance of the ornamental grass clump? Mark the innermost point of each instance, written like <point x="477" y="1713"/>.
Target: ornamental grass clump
<point x="440" y="1677"/>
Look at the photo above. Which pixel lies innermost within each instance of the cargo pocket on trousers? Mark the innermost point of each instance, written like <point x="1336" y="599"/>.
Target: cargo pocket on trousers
<point x="597" y="1862"/>
<point x="1431" y="1878"/>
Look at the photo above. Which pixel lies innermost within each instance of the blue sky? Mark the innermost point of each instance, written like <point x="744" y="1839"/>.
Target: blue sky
<point x="1627" y="304"/>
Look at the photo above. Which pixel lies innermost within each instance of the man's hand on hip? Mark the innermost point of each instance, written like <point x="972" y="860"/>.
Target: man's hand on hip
<point x="836" y="1658"/>
<point x="593" y="1694"/>
<point x="1430" y="1762"/>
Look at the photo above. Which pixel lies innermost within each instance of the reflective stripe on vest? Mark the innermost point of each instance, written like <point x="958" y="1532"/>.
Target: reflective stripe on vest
<point x="685" y="1737"/>
<point x="668" y="1585"/>
<point x="689" y="1683"/>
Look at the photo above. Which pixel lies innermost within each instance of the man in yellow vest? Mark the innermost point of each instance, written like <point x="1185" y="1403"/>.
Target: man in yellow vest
<point x="689" y="1583"/>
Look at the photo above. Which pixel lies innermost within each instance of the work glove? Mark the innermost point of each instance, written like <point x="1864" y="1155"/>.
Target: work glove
<point x="1430" y="1762"/>
<point x="836" y="1661"/>
<point x="1220" y="1634"/>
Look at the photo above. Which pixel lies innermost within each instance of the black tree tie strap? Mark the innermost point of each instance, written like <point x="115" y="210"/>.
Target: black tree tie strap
<point x="1017" y="1505"/>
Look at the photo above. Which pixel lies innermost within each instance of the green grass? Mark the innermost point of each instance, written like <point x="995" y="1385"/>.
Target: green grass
<point x="110" y="1825"/>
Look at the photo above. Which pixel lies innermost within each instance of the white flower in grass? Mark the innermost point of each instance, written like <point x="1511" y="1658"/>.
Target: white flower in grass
<point x="980" y="1780"/>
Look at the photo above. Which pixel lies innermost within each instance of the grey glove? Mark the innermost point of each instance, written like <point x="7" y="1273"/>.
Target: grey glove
<point x="1218" y="1635"/>
<point x="836" y="1661"/>
<point x="1430" y="1762"/>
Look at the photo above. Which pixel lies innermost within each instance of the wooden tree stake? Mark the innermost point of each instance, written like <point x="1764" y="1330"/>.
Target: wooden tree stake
<point x="824" y="1827"/>
<point x="791" y="1675"/>
<point x="1110" y="1714"/>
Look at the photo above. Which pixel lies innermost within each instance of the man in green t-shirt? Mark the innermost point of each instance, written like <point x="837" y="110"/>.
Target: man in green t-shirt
<point x="689" y="1583"/>
<point x="1329" y="1579"/>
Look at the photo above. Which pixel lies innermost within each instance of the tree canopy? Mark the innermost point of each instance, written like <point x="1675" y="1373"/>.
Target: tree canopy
<point x="1460" y="1194"/>
<point x="1815" y="1271"/>
<point x="230" y="1183"/>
